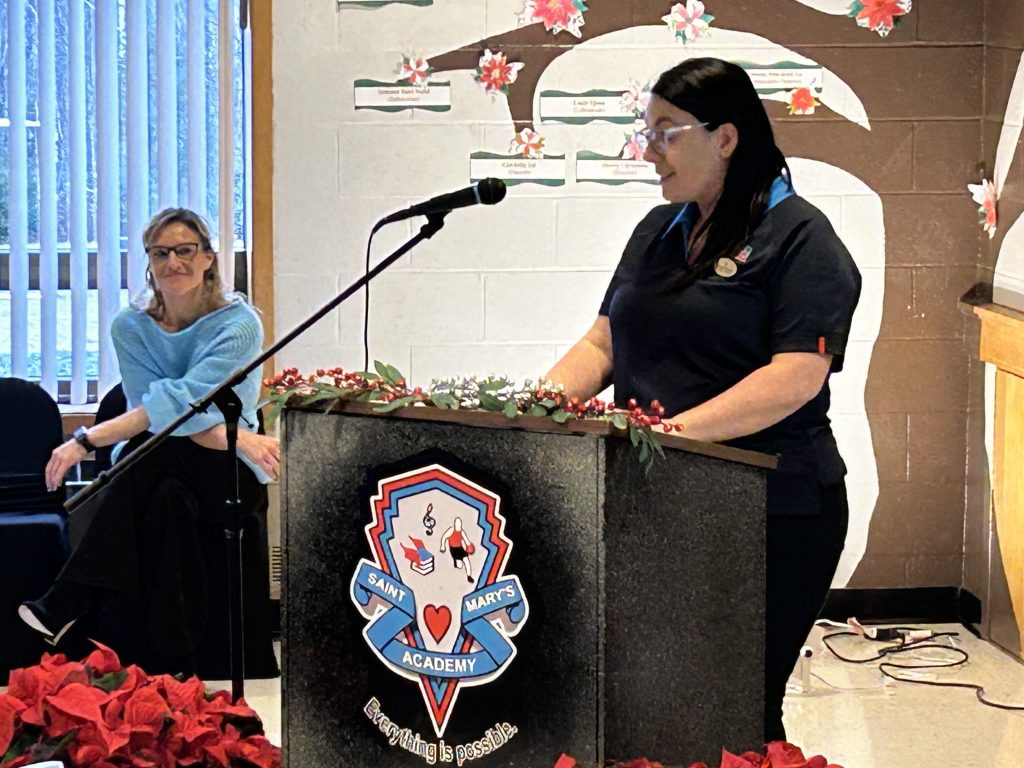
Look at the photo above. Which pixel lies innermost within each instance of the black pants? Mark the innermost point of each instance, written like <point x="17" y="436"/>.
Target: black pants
<point x="801" y="558"/>
<point x="155" y="554"/>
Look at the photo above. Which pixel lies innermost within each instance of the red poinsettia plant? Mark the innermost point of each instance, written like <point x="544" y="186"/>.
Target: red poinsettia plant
<point x="778" y="754"/>
<point x="100" y="714"/>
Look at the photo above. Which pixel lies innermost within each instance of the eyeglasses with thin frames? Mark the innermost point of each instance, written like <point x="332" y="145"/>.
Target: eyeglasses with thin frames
<point x="184" y="251"/>
<point x="660" y="138"/>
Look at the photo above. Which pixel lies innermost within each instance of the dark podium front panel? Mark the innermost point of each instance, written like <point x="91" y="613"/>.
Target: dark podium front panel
<point x="460" y="594"/>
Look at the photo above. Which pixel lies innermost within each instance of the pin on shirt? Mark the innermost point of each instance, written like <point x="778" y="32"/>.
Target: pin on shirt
<point x="725" y="267"/>
<point x="743" y="255"/>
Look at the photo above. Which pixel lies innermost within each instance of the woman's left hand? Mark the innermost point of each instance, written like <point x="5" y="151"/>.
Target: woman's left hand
<point x="262" y="450"/>
<point x="63" y="458"/>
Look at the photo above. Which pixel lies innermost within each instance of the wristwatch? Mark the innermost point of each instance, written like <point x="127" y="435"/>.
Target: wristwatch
<point x="82" y="438"/>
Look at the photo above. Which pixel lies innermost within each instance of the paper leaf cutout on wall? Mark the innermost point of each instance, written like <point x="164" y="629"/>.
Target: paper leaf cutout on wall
<point x="802" y="102"/>
<point x="984" y="195"/>
<point x="637" y="97"/>
<point x="636" y="144"/>
<point x="688" y="21"/>
<point x="879" y="15"/>
<point x="556" y="15"/>
<point x="495" y="73"/>
<point x="414" y="69"/>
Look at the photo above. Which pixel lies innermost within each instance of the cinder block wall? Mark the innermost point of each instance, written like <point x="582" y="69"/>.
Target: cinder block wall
<point x="507" y="289"/>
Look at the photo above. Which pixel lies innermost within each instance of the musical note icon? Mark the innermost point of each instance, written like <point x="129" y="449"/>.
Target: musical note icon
<point x="428" y="520"/>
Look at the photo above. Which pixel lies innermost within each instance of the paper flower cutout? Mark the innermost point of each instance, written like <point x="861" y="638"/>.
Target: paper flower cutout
<point x="495" y="73"/>
<point x="688" y="20"/>
<point x="415" y="69"/>
<point x="984" y="195"/>
<point x="556" y="15"/>
<point x="802" y="102"/>
<point x="637" y="98"/>
<point x="636" y="145"/>
<point x="879" y="15"/>
<point x="527" y="143"/>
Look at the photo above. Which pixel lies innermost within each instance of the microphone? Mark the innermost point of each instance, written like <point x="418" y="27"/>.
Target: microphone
<point x="485" y="192"/>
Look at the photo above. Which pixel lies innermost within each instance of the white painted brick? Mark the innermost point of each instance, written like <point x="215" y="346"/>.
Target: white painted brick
<point x="395" y="160"/>
<point x="517" y="361"/>
<point x="847" y="387"/>
<point x="831" y="206"/>
<point x="592" y="231"/>
<point x="296" y="297"/>
<point x="436" y="307"/>
<point x="518" y="233"/>
<point x="863" y="229"/>
<point x="427" y="30"/>
<point x="867" y="319"/>
<point x="543" y="306"/>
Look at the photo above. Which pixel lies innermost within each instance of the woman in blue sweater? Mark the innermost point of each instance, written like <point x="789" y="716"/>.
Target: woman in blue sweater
<point x="143" y="543"/>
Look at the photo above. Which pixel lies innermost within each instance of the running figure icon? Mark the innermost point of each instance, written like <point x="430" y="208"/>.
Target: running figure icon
<point x="460" y="546"/>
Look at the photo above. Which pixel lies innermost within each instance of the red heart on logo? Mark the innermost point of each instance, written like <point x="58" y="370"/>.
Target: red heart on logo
<point x="437" y="620"/>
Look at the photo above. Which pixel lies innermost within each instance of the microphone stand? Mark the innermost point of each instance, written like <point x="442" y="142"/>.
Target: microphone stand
<point x="223" y="396"/>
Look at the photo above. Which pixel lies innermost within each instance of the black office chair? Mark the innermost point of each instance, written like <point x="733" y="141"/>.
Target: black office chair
<point x="33" y="527"/>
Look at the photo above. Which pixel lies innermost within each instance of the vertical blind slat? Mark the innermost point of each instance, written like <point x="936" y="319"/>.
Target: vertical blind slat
<point x="108" y="176"/>
<point x="77" y="201"/>
<point x="17" y="191"/>
<point x="137" y="138"/>
<point x="226" y="153"/>
<point x="167" y="103"/>
<point x="47" y="143"/>
<point x="196" y="106"/>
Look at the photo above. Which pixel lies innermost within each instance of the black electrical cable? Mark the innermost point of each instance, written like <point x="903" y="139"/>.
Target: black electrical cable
<point x="366" y="301"/>
<point x="905" y="645"/>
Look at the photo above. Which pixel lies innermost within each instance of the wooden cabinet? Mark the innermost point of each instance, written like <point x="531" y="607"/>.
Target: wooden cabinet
<point x="1002" y="345"/>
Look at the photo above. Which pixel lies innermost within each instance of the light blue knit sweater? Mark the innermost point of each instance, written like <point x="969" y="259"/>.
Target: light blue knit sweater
<point x="164" y="372"/>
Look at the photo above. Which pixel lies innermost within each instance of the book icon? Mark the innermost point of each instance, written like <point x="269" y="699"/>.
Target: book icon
<point x="421" y="559"/>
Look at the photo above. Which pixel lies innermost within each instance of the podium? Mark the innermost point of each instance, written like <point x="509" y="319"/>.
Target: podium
<point x="460" y="588"/>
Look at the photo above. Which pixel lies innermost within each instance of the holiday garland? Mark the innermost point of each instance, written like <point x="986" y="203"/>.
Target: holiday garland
<point x="387" y="390"/>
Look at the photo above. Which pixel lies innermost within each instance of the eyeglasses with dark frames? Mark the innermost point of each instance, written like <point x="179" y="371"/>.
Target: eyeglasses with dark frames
<point x="184" y="251"/>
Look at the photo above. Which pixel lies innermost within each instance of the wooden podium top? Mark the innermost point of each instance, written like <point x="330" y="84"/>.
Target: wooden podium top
<point x="597" y="428"/>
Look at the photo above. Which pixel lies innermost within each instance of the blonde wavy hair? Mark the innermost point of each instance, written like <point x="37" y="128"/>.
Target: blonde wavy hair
<point x="213" y="289"/>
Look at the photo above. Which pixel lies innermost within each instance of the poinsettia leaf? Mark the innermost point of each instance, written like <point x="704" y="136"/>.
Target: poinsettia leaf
<point x="511" y="409"/>
<point x="619" y="421"/>
<point x="110" y="681"/>
<point x="382" y="370"/>
<point x="398" y="402"/>
<point x="368" y="376"/>
<point x="634" y="435"/>
<point x="565" y="761"/>
<point x="20" y="746"/>
<point x="538" y="410"/>
<point x="444" y="400"/>
<point x="644" y="452"/>
<point x="491" y="403"/>
<point x="548" y="403"/>
<point x="560" y="416"/>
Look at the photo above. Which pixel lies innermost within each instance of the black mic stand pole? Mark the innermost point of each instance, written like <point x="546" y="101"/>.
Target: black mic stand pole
<point x="224" y="397"/>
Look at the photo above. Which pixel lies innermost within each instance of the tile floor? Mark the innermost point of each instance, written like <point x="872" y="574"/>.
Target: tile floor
<point x="855" y="720"/>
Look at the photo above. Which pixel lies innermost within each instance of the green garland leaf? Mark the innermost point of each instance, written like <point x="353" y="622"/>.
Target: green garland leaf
<point x="398" y="402"/>
<point x="511" y="409"/>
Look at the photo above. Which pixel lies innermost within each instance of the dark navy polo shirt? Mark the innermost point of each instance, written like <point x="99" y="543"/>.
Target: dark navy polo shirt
<point x="794" y="289"/>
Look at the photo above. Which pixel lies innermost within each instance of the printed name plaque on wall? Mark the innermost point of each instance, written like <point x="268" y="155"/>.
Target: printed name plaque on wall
<point x="400" y="95"/>
<point x="442" y="609"/>
<point x="610" y="169"/>
<point x="785" y="76"/>
<point x="379" y="3"/>
<point x="582" y="108"/>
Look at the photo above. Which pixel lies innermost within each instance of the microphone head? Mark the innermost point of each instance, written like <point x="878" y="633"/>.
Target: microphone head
<point x="490" y="191"/>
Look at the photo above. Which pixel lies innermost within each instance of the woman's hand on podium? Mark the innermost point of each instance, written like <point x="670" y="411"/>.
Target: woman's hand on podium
<point x="262" y="450"/>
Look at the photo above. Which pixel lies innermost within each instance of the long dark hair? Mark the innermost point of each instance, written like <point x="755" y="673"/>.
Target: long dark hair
<point x="718" y="92"/>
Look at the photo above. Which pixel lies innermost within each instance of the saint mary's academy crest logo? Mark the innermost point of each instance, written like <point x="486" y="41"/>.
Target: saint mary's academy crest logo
<point x="440" y="606"/>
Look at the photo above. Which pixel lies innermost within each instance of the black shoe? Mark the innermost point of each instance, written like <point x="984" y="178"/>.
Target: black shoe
<point x="36" y="616"/>
<point x="54" y="613"/>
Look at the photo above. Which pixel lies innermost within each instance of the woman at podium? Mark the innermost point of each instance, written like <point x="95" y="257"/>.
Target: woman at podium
<point x="731" y="306"/>
<point x="142" y="551"/>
